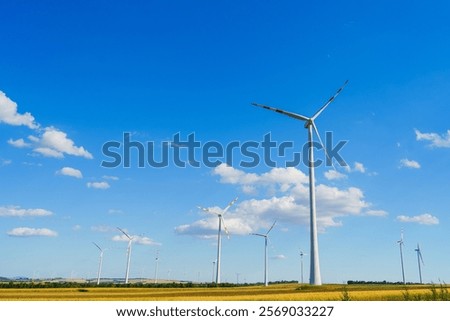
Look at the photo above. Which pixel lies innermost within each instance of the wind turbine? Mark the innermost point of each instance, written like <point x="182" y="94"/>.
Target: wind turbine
<point x="315" y="278"/>
<point x="266" y="270"/>
<point x="156" y="267"/>
<point x="100" y="262"/>
<point x="301" y="264"/>
<point x="130" y="240"/>
<point x="400" y="243"/>
<point x="219" y="233"/>
<point x="419" y="259"/>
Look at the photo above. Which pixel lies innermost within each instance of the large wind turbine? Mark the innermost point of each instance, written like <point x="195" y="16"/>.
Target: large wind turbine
<point x="419" y="259"/>
<point x="266" y="270"/>
<point x="219" y="233"/>
<point x="315" y="278"/>
<point x="130" y="240"/>
<point x="400" y="243"/>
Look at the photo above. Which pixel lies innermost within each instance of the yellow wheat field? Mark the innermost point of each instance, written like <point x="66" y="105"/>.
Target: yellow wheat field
<point x="280" y="292"/>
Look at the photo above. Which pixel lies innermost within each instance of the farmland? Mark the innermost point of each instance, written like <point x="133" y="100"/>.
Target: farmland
<point x="278" y="292"/>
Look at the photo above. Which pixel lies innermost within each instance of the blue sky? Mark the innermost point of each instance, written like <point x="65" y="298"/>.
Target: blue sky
<point x="75" y="75"/>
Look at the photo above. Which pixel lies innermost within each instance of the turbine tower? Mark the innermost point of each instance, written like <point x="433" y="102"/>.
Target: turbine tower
<point x="219" y="233"/>
<point x="100" y="262"/>
<point x="400" y="243"/>
<point x="266" y="269"/>
<point x="419" y="259"/>
<point x="315" y="278"/>
<point x="130" y="240"/>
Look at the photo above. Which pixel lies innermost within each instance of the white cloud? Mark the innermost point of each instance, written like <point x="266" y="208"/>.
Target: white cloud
<point x="279" y="257"/>
<point x="436" y="140"/>
<point x="5" y="162"/>
<point x="284" y="178"/>
<point x="288" y="201"/>
<point x="52" y="143"/>
<point x="409" y="163"/>
<point x="334" y="175"/>
<point x="69" y="171"/>
<point x="21" y="212"/>
<point x="112" y="178"/>
<point x="55" y="143"/>
<point x="10" y="116"/>
<point x="27" y="232"/>
<point x="103" y="228"/>
<point x="376" y="213"/>
<point x="425" y="219"/>
<point x="138" y="239"/>
<point x="98" y="185"/>
<point x="359" y="167"/>
<point x="76" y="227"/>
<point x="114" y="211"/>
<point x="19" y="143"/>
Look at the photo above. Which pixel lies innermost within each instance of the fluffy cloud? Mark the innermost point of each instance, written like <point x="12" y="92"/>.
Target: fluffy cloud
<point x="409" y="163"/>
<point x="10" y="116"/>
<point x="5" y="162"/>
<point x="55" y="143"/>
<point x="69" y="171"/>
<point x="435" y="139"/>
<point x="424" y="219"/>
<point x="288" y="202"/>
<point x="103" y="228"/>
<point x="334" y="175"/>
<point x="27" y="232"/>
<point x="111" y="178"/>
<point x="376" y="213"/>
<point x="98" y="185"/>
<point x="18" y="143"/>
<point x="359" y="167"/>
<point x="51" y="142"/>
<point x="138" y="239"/>
<point x="21" y="212"/>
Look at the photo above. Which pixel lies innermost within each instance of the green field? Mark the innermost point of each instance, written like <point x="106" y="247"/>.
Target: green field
<point x="279" y="292"/>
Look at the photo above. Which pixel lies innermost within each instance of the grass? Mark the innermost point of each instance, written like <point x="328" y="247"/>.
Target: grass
<point x="278" y="292"/>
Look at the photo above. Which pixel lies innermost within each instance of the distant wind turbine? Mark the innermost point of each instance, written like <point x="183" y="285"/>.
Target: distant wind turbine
<point x="419" y="259"/>
<point x="100" y="262"/>
<point x="400" y="243"/>
<point x="219" y="233"/>
<point x="156" y="266"/>
<point x="301" y="264"/>
<point x="315" y="278"/>
<point x="266" y="269"/>
<point x="130" y="240"/>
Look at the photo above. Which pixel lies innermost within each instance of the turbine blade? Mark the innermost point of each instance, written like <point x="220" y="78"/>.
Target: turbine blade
<point x="257" y="234"/>
<point x="329" y="101"/>
<point x="207" y="210"/>
<point x="271" y="227"/>
<point x="225" y="227"/>
<point x="97" y="246"/>
<point x="124" y="233"/>
<point x="420" y="255"/>
<point x="287" y="113"/>
<point x="229" y="205"/>
<point x="321" y="143"/>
